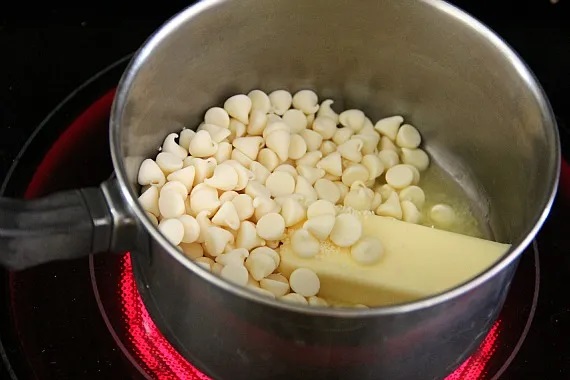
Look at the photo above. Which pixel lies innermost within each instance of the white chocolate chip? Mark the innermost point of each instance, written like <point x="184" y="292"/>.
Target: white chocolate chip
<point x="287" y="168"/>
<point x="204" y="223"/>
<point x="259" y="101"/>
<point x="185" y="176"/>
<point x="185" y="137"/>
<point x="241" y="158"/>
<point x="310" y="158"/>
<point x="217" y="133"/>
<point x="217" y="116"/>
<point x="280" y="101"/>
<point x="292" y="211"/>
<point x="236" y="256"/>
<point x="367" y="250"/>
<point x="275" y="126"/>
<point x="353" y="119"/>
<point x="389" y="158"/>
<point x="385" y="190"/>
<point x="280" y="183"/>
<point x="326" y="110"/>
<point x="149" y="200"/>
<point x="376" y="201"/>
<point x="320" y="226"/>
<point x="255" y="189"/>
<point x="202" y="145"/>
<point x="237" y="129"/>
<point x="264" y="205"/>
<point x="260" y="172"/>
<point x="192" y="250"/>
<point x="331" y="164"/>
<point x="153" y="219"/>
<point x="249" y="145"/>
<point x="177" y="187"/>
<point x="342" y="188"/>
<point x="327" y="190"/>
<point x="346" y="231"/>
<point x="247" y="236"/>
<point x="228" y="196"/>
<point x="389" y="126"/>
<point x="150" y="174"/>
<point x="238" y="107"/>
<point x="191" y="228"/>
<point x="374" y="165"/>
<point x="369" y="142"/>
<point x="296" y="120"/>
<point x="304" y="244"/>
<point x="317" y="301"/>
<point x="269" y="252"/>
<point x="257" y="123"/>
<point x="225" y="178"/>
<point x="171" y="146"/>
<point x="305" y="189"/>
<point x="359" y="198"/>
<point x="259" y="265"/>
<point x="172" y="229"/>
<point x="271" y="226"/>
<point x="216" y="240"/>
<point x="391" y="207"/>
<point x="304" y="282"/>
<point x="243" y="204"/>
<point x="168" y="162"/>
<point x="442" y="215"/>
<point x="312" y="139"/>
<point x="387" y="144"/>
<point x="294" y="298"/>
<point x="205" y="262"/>
<point x="413" y="194"/>
<point x="310" y="174"/>
<point x="356" y="172"/>
<point x="410" y="212"/>
<point x="279" y="141"/>
<point x="327" y="147"/>
<point x="351" y="150"/>
<point x="342" y="135"/>
<point x="415" y="172"/>
<point x="399" y="176"/>
<point x="203" y="169"/>
<point x="325" y="126"/>
<point x="204" y="198"/>
<point x="415" y="157"/>
<point x="227" y="216"/>
<point x="171" y="204"/>
<point x="306" y="101"/>
<point x="408" y="137"/>
<point x="297" y="147"/>
<point x="236" y="274"/>
<point x="224" y="152"/>
<point x="244" y="175"/>
<point x="321" y="207"/>
<point x="275" y="283"/>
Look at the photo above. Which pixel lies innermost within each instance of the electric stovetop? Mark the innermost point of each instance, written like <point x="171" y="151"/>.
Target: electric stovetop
<point x="83" y="319"/>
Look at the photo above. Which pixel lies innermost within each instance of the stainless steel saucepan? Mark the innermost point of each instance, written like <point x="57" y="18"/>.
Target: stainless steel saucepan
<point x="484" y="117"/>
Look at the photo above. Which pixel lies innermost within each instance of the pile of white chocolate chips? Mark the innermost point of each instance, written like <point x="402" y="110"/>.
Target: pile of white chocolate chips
<point x="265" y="168"/>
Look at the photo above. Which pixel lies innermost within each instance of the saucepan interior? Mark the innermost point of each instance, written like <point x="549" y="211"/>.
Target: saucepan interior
<point x="480" y="111"/>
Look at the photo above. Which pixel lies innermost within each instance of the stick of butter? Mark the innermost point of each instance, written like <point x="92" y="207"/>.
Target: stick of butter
<point x="417" y="262"/>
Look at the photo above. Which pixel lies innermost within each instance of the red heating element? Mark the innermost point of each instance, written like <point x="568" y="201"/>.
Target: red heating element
<point x="161" y="361"/>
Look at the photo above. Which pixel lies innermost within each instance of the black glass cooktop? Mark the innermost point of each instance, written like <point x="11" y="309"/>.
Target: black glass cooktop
<point x="84" y="319"/>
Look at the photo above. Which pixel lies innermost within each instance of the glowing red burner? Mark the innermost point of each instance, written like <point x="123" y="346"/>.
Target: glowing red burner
<point x="164" y="362"/>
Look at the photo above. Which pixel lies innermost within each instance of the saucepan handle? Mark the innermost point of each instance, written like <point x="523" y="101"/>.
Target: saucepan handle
<point x="64" y="225"/>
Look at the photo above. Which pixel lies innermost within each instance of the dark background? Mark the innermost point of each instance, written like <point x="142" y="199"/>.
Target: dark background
<point x="48" y="49"/>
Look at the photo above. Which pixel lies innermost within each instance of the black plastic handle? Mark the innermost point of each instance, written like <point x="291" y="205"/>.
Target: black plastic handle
<point x="64" y="225"/>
